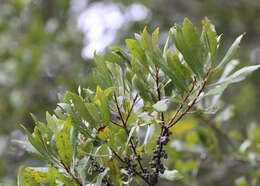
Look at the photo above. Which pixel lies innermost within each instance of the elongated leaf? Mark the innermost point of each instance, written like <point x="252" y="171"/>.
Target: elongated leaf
<point x="114" y="171"/>
<point x="64" y="144"/>
<point x="240" y="74"/>
<point x="218" y="89"/>
<point x="80" y="106"/>
<point x="100" y="177"/>
<point x="137" y="51"/>
<point x="125" y="56"/>
<point x="77" y="122"/>
<point x="20" y="177"/>
<point x="180" y="69"/>
<point x="102" y="68"/>
<point x="140" y="86"/>
<point x="31" y="150"/>
<point x="186" y="51"/>
<point x="192" y="38"/>
<point x="51" y="122"/>
<point x="167" y="43"/>
<point x="231" y="51"/>
<point x="35" y="142"/>
<point x="212" y="38"/>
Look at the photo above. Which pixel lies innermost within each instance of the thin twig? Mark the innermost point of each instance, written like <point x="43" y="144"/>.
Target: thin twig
<point x="192" y="102"/>
<point x="116" y="124"/>
<point x="184" y="100"/>
<point x="136" y="172"/>
<point x="73" y="176"/>
<point x="125" y="125"/>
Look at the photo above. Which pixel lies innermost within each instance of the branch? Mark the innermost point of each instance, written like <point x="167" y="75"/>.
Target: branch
<point x="184" y="100"/>
<point x="125" y="126"/>
<point x="73" y="176"/>
<point x="136" y="172"/>
<point x="172" y="123"/>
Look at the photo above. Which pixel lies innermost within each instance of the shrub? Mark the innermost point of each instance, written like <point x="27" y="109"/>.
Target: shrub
<point x="120" y="132"/>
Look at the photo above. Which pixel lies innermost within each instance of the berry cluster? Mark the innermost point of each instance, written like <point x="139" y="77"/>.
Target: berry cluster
<point x="96" y="167"/>
<point x="158" y="153"/>
<point x="131" y="167"/>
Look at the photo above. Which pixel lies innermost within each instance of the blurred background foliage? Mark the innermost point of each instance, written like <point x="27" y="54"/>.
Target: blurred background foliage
<point x="46" y="48"/>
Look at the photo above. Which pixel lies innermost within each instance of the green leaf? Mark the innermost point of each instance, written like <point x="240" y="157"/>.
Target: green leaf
<point x="35" y="142"/>
<point x="186" y="51"/>
<point x="100" y="177"/>
<point x="1" y="184"/>
<point x="53" y="174"/>
<point x="125" y="56"/>
<point x="38" y="173"/>
<point x="103" y="96"/>
<point x="52" y="122"/>
<point x="80" y="106"/>
<point x="178" y="81"/>
<point x="20" y="177"/>
<point x="31" y="150"/>
<point x="102" y="68"/>
<point x="167" y="43"/>
<point x="137" y="51"/>
<point x="63" y="142"/>
<point x="131" y="134"/>
<point x="211" y="38"/>
<point x="142" y="89"/>
<point x="240" y="75"/>
<point x="105" y="134"/>
<point x="192" y="38"/>
<point x="161" y="106"/>
<point x="171" y="175"/>
<point x="231" y="51"/>
<point x="218" y="89"/>
<point x="114" y="171"/>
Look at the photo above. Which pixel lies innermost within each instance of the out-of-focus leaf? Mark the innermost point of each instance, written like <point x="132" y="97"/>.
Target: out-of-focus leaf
<point x="241" y="181"/>
<point x="104" y="104"/>
<point x="186" y="166"/>
<point x="191" y="139"/>
<point x="184" y="125"/>
<point x="105" y="134"/>
<point x="171" y="175"/>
